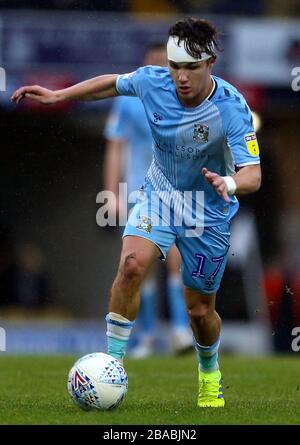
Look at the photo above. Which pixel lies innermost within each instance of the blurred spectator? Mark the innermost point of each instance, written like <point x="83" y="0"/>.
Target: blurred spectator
<point x="282" y="290"/>
<point x="26" y="281"/>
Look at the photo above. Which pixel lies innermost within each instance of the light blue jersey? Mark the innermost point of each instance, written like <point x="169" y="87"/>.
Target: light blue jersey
<point x="217" y="134"/>
<point x="128" y="122"/>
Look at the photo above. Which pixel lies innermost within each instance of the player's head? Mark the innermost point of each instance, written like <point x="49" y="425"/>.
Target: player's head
<point x="191" y="52"/>
<point x="156" y="54"/>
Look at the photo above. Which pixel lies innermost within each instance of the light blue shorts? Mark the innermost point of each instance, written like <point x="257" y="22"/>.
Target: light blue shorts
<point x="203" y="256"/>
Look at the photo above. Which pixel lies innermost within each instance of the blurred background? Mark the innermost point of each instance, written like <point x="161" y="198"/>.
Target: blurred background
<point x="56" y="264"/>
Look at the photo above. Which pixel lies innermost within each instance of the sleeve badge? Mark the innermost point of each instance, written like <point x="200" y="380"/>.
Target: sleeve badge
<point x="252" y="144"/>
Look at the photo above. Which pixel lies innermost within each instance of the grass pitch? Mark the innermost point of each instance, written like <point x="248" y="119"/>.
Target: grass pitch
<point x="162" y="391"/>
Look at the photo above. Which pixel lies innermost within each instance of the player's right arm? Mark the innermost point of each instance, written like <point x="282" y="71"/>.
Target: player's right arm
<point x="97" y="88"/>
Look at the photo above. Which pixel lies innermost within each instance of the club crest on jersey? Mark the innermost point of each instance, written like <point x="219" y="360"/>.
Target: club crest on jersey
<point x="145" y="224"/>
<point x="201" y="132"/>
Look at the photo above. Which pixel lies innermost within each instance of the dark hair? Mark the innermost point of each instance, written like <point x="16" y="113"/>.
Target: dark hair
<point x="197" y="35"/>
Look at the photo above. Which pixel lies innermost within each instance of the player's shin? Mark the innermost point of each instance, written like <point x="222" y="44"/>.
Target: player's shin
<point x="118" y="333"/>
<point x="208" y="356"/>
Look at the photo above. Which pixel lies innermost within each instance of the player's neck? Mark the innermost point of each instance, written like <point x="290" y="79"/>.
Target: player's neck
<point x="197" y="100"/>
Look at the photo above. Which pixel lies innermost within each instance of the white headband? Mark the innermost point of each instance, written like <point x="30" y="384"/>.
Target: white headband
<point x="177" y="52"/>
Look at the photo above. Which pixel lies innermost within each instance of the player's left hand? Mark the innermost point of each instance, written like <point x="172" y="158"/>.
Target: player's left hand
<point x="217" y="182"/>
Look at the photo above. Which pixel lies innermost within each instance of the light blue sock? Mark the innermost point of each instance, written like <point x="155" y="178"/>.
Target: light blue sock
<point x="178" y="311"/>
<point x="208" y="356"/>
<point x="118" y="332"/>
<point x="147" y="313"/>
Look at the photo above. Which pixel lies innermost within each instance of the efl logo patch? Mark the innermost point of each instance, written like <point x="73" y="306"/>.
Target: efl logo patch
<point x="145" y="224"/>
<point x="201" y="133"/>
<point x="252" y="144"/>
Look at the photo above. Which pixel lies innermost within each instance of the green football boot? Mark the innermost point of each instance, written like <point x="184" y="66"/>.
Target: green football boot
<point x="210" y="390"/>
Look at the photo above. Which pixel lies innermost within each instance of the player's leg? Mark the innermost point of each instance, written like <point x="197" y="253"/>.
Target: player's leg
<point x="205" y="321"/>
<point x="206" y="326"/>
<point x="145" y="239"/>
<point x="204" y="259"/>
<point x="181" y="332"/>
<point x="137" y="256"/>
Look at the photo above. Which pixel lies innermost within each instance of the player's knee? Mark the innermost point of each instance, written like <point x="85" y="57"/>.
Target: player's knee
<point x="199" y="312"/>
<point x="133" y="268"/>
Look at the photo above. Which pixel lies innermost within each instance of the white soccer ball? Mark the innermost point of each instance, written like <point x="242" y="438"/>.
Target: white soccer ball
<point x="97" y="381"/>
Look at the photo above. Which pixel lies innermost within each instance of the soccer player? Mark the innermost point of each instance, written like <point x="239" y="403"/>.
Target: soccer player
<point x="205" y="144"/>
<point x="128" y="157"/>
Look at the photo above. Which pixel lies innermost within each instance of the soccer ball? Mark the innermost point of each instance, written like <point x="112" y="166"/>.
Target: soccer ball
<point x="97" y="381"/>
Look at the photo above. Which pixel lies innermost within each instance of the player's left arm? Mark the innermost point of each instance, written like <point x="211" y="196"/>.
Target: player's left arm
<point x="246" y="180"/>
<point x="241" y="141"/>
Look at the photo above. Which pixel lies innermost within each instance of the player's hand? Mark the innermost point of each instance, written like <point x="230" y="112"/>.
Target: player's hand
<point x="217" y="182"/>
<point x="35" y="92"/>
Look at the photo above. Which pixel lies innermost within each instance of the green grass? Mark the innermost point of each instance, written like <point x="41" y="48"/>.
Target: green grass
<point x="162" y="391"/>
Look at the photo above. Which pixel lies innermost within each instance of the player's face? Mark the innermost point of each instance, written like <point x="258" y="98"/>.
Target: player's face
<point x="193" y="81"/>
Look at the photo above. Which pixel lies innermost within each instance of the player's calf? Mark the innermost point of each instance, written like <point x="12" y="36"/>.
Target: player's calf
<point x="137" y="256"/>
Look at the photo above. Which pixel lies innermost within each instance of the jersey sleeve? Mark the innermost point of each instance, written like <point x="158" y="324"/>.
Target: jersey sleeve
<point x="240" y="134"/>
<point x="134" y="84"/>
<point x="117" y="123"/>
